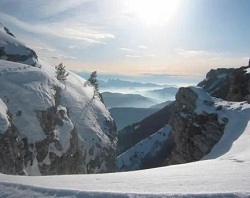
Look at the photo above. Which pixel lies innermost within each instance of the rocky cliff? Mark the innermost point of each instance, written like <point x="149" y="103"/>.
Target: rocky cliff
<point x="49" y="126"/>
<point x="196" y="124"/>
<point x="229" y="84"/>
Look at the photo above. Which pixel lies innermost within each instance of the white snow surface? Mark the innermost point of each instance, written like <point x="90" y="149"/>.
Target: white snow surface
<point x="224" y="172"/>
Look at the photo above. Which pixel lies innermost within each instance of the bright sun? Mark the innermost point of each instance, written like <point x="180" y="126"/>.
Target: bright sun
<point x="153" y="12"/>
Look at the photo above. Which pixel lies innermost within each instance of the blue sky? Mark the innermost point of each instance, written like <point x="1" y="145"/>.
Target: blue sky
<point x="134" y="37"/>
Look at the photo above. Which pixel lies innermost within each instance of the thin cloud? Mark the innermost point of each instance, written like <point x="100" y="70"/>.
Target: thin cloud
<point x="43" y="48"/>
<point x="197" y="53"/>
<point x="141" y="56"/>
<point x="126" y="49"/>
<point x="59" y="56"/>
<point x="92" y="36"/>
<point x="134" y="56"/>
<point x="73" y="47"/>
<point x="72" y="31"/>
<point x="53" y="7"/>
<point x="143" y="47"/>
<point x="151" y="55"/>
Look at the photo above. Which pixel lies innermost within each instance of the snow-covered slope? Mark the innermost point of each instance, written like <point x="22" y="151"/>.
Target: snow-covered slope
<point x="49" y="126"/>
<point x="146" y="153"/>
<point x="225" y="172"/>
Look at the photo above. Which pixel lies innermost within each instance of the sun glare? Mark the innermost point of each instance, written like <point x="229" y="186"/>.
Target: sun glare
<point x="153" y="12"/>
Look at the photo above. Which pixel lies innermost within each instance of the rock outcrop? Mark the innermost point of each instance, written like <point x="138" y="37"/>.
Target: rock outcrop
<point x="195" y="133"/>
<point x="239" y="88"/>
<point x="228" y="84"/>
<point x="12" y="148"/>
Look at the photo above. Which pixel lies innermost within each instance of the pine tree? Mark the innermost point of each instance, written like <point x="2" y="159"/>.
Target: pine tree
<point x="61" y="73"/>
<point x="93" y="80"/>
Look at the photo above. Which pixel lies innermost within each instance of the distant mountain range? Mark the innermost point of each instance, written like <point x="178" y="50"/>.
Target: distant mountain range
<point x="112" y="100"/>
<point x="166" y="93"/>
<point x="117" y="83"/>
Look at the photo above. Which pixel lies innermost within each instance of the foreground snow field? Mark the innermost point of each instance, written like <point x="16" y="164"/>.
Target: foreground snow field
<point x="224" y="172"/>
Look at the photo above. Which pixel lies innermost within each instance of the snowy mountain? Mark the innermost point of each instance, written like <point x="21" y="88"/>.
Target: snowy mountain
<point x="49" y="126"/>
<point x="117" y="83"/>
<point x="223" y="172"/>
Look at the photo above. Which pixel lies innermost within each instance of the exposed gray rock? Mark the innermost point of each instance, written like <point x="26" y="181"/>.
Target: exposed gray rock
<point x="12" y="151"/>
<point x="239" y="85"/>
<point x="217" y="82"/>
<point x="228" y="84"/>
<point x="31" y="57"/>
<point x="194" y="134"/>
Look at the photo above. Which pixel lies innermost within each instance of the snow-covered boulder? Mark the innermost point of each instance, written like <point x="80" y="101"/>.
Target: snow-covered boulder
<point x="49" y="126"/>
<point x="13" y="50"/>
